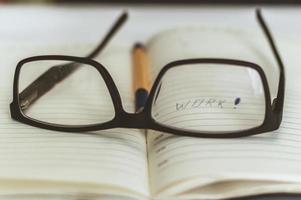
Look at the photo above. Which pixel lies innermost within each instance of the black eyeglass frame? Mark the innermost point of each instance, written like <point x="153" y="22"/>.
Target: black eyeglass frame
<point x="144" y="119"/>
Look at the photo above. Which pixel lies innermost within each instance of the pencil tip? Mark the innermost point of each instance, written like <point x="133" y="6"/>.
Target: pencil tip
<point x="138" y="45"/>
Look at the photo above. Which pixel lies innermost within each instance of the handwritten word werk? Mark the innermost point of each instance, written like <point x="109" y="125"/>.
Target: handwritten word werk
<point x="201" y="103"/>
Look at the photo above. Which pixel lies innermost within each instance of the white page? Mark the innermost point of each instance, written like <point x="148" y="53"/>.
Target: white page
<point x="114" y="160"/>
<point x="179" y="164"/>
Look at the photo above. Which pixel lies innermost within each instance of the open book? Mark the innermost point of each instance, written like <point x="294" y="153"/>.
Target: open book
<point x="139" y="164"/>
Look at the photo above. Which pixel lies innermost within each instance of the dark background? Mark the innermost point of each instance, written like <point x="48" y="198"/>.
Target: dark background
<point x="160" y="2"/>
<point x="189" y="1"/>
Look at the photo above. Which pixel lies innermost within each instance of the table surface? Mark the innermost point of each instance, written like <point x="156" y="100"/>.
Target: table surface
<point x="67" y="24"/>
<point x="24" y="24"/>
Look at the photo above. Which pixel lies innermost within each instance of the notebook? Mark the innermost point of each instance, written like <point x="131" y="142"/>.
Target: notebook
<point x="145" y="164"/>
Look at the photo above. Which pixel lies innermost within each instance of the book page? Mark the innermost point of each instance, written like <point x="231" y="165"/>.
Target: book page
<point x="38" y="161"/>
<point x="220" y="168"/>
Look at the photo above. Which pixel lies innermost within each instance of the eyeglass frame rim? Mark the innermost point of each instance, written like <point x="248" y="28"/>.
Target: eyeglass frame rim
<point x="144" y="119"/>
<point x="277" y="104"/>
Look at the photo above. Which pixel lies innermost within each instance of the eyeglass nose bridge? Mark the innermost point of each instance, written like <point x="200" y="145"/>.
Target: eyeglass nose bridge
<point x="133" y="120"/>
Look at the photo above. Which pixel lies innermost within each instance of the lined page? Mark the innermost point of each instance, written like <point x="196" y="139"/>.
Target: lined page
<point x="215" y="98"/>
<point x="271" y="156"/>
<point x="184" y="165"/>
<point x="111" y="160"/>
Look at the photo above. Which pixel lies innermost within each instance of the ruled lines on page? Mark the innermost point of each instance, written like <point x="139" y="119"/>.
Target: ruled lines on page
<point x="107" y="157"/>
<point x="210" y="98"/>
<point x="114" y="158"/>
<point x="271" y="155"/>
<point x="176" y="162"/>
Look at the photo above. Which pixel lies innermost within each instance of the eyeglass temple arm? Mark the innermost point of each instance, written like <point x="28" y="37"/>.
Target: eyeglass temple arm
<point x="279" y="101"/>
<point x="58" y="73"/>
<point x="113" y="30"/>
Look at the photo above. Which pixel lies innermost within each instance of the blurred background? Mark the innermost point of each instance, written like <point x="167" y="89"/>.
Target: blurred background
<point x="160" y="1"/>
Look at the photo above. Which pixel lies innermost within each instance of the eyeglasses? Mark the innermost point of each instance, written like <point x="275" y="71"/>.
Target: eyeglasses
<point x="222" y="98"/>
